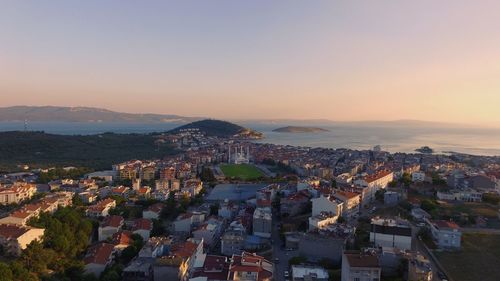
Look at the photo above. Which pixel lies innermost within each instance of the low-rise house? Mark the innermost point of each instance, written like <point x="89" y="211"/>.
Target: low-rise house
<point x="101" y="208"/>
<point x="109" y="226"/>
<point x="394" y="233"/>
<point x="156" y="247"/>
<point x="18" y="192"/>
<point x="192" y="187"/>
<point x="153" y="211"/>
<point x="185" y="222"/>
<point x="180" y="263"/>
<point x="446" y="234"/>
<point x="214" y="268"/>
<point x="359" y="266"/>
<point x="121" y="240"/>
<point x="464" y="195"/>
<point x="418" y="176"/>
<point x="309" y="273"/>
<point x="14" y="238"/>
<point x="142" y="227"/>
<point x="250" y="267"/>
<point x="98" y="257"/>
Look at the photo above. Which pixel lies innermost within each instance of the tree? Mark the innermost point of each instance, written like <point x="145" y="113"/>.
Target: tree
<point x="379" y="195"/>
<point x="334" y="183"/>
<point x="297" y="260"/>
<point x="5" y="272"/>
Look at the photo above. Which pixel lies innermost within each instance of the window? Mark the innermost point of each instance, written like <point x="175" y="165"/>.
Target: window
<point x="356" y="279"/>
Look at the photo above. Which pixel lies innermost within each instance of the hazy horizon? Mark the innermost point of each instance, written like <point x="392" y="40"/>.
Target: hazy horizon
<point x="340" y="61"/>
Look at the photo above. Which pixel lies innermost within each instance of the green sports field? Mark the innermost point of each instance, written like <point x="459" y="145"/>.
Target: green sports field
<point x="242" y="171"/>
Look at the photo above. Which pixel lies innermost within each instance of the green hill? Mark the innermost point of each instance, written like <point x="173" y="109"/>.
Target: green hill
<point x="38" y="149"/>
<point x="219" y="128"/>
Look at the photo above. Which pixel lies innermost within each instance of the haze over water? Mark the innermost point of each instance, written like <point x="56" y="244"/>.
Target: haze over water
<point x="391" y="138"/>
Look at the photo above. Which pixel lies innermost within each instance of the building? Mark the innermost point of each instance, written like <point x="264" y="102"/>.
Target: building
<point x="142" y="227"/>
<point x="309" y="273"/>
<point x="14" y="238"/>
<point x="328" y="243"/>
<point x="233" y="240"/>
<point x="391" y="233"/>
<point x="18" y="192"/>
<point x="98" y="257"/>
<point x="326" y="204"/>
<point x="121" y="240"/>
<point x="351" y="201"/>
<point x="138" y="270"/>
<point x="322" y="220"/>
<point x="148" y="173"/>
<point x="374" y="182"/>
<point x="446" y="234"/>
<point x="109" y="226"/>
<point x="418" y="176"/>
<point x="294" y="204"/>
<point x="250" y="267"/>
<point x="359" y="266"/>
<point x="155" y="247"/>
<point x="210" y="231"/>
<point x="153" y="211"/>
<point x="391" y="198"/>
<point x="185" y="222"/>
<point x="464" y="195"/>
<point x="179" y="264"/>
<point x="262" y="222"/>
<point x="214" y="268"/>
<point x="101" y="208"/>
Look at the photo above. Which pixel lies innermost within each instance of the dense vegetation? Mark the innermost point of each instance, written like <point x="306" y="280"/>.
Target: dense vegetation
<point x="95" y="151"/>
<point x="214" y="128"/>
<point x="59" y="257"/>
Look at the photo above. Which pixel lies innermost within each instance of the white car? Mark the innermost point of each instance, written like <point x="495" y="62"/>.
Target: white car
<point x="286" y="274"/>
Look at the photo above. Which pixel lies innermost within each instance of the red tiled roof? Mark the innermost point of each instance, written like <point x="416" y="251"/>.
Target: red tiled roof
<point x="445" y="224"/>
<point x="184" y="250"/>
<point x="156" y="208"/>
<point x="362" y="260"/>
<point x="99" y="253"/>
<point x="122" y="238"/>
<point x="144" y="224"/>
<point x="378" y="175"/>
<point x="9" y="231"/>
<point x="113" y="221"/>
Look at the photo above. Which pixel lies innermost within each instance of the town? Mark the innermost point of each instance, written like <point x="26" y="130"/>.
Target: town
<point x="232" y="208"/>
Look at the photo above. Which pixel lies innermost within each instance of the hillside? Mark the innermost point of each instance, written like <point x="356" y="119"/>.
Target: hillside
<point x="299" y="129"/>
<point x="83" y="114"/>
<point x="219" y="128"/>
<point x="38" y="149"/>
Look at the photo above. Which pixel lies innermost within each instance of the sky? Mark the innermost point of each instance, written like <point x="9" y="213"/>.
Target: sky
<point x="338" y="60"/>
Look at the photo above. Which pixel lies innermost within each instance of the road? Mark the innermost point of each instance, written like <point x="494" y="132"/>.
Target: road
<point x="280" y="252"/>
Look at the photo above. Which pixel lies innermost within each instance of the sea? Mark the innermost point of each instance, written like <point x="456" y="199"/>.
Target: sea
<point x="397" y="138"/>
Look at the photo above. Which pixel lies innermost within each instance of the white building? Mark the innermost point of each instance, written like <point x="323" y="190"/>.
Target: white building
<point x="326" y="204"/>
<point x="322" y="220"/>
<point x="418" y="176"/>
<point x="374" y="182"/>
<point x="391" y="233"/>
<point x="110" y="226"/>
<point x="262" y="222"/>
<point x="305" y="273"/>
<point x="446" y="234"/>
<point x="15" y="238"/>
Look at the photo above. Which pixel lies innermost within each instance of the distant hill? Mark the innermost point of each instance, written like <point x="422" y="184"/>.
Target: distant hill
<point x="39" y="149"/>
<point x="219" y="128"/>
<point x="299" y="129"/>
<point x="83" y="114"/>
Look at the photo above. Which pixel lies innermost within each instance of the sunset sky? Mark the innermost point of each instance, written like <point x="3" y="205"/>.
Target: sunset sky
<point x="338" y="60"/>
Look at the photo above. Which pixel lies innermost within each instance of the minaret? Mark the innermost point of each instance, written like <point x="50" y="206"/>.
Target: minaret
<point x="248" y="153"/>
<point x="229" y="158"/>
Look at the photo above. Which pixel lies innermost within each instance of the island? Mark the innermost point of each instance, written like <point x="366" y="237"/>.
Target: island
<point x="219" y="128"/>
<point x="299" y="129"/>
<point x="425" y="149"/>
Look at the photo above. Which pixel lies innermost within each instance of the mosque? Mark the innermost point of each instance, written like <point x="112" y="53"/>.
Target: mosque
<point x="240" y="156"/>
